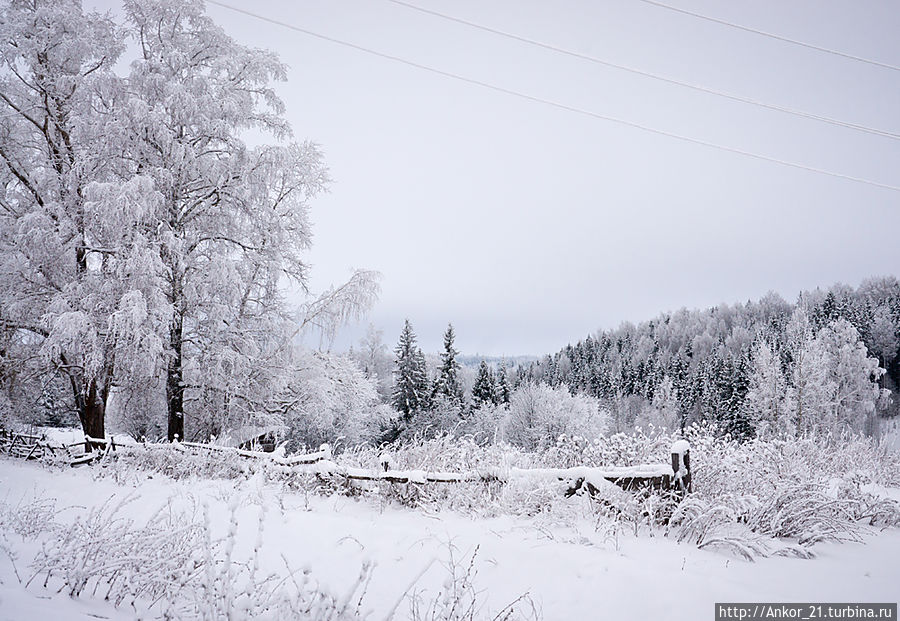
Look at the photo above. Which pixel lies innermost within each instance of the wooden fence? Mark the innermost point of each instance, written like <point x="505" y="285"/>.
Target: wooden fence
<point x="675" y="477"/>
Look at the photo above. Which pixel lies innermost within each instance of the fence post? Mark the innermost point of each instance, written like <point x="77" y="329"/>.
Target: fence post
<point x="681" y="467"/>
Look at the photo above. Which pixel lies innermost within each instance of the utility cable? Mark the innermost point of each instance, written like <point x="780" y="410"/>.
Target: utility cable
<point x="561" y="106"/>
<point x="655" y="76"/>
<point x="763" y="33"/>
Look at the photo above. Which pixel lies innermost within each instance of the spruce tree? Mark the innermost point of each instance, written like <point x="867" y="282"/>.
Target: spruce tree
<point x="447" y="383"/>
<point x="501" y="388"/>
<point x="484" y="390"/>
<point x="410" y="393"/>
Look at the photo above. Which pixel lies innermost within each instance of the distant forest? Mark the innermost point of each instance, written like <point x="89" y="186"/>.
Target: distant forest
<point x="827" y="361"/>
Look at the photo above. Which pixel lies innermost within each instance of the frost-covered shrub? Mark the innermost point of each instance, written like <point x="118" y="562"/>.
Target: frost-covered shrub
<point x="619" y="449"/>
<point x="484" y="424"/>
<point x="170" y="565"/>
<point x="806" y="489"/>
<point x="445" y="416"/>
<point x="491" y="491"/>
<point x="803" y="511"/>
<point x="459" y="599"/>
<point x="177" y="462"/>
<point x="227" y="588"/>
<point x="107" y="554"/>
<point x="538" y="414"/>
<point x="443" y="453"/>
<point x="28" y="519"/>
<point x="328" y="399"/>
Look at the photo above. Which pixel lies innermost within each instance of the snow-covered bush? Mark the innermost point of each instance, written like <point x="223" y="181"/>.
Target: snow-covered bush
<point x="177" y="462"/>
<point x="328" y="399"/>
<point x="105" y="553"/>
<point x="24" y="520"/>
<point x="443" y="453"/>
<point x="459" y="599"/>
<point x="28" y="519"/>
<point x="174" y="565"/>
<point x="619" y="449"/>
<point x="804" y="490"/>
<point x="444" y="416"/>
<point x="538" y="414"/>
<point x="484" y="423"/>
<point x="170" y="565"/>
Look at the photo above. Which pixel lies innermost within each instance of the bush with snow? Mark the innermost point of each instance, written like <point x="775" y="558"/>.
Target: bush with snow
<point x="172" y="565"/>
<point x="539" y="413"/>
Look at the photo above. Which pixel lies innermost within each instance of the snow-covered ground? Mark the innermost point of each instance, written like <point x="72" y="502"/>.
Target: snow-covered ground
<point x="568" y="571"/>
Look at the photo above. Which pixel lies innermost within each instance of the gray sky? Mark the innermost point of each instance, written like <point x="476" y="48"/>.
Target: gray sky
<point x="529" y="226"/>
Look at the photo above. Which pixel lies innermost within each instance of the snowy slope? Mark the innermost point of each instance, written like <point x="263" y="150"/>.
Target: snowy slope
<point x="570" y="571"/>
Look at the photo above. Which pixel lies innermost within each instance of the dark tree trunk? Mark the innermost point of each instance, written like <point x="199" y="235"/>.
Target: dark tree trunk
<point x="175" y="381"/>
<point x="90" y="403"/>
<point x="94" y="417"/>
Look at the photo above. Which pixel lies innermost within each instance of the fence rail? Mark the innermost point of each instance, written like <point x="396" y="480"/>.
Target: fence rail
<point x="675" y="477"/>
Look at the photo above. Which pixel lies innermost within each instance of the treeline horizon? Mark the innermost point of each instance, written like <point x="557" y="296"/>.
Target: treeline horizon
<point x="743" y="364"/>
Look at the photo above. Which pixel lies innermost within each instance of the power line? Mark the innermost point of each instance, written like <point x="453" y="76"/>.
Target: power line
<point x="655" y="76"/>
<point x="763" y="33"/>
<point x="555" y="104"/>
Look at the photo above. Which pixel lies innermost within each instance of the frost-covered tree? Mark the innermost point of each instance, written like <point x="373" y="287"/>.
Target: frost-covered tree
<point x="232" y="225"/>
<point x="501" y="389"/>
<point x="447" y="384"/>
<point x="143" y="243"/>
<point x="77" y="270"/>
<point x="883" y="338"/>
<point x="768" y="403"/>
<point x="233" y="219"/>
<point x="376" y="362"/>
<point x="410" y="393"/>
<point x="833" y="379"/>
<point x="484" y="391"/>
<point x="852" y="375"/>
<point x="811" y="390"/>
<point x="663" y="411"/>
<point x="707" y="355"/>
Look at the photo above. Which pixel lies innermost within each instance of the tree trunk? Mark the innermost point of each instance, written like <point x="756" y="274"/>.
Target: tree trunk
<point x="90" y="404"/>
<point x="175" y="381"/>
<point x="93" y="417"/>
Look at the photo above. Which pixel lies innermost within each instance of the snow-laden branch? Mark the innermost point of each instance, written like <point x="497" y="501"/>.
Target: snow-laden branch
<point x="337" y="307"/>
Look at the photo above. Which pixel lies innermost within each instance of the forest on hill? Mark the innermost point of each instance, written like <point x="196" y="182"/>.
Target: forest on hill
<point x="827" y="361"/>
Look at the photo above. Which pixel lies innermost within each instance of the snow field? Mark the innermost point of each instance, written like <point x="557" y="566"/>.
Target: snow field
<point x="574" y="570"/>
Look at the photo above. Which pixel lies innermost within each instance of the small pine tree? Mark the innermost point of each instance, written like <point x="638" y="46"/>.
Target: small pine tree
<point x="484" y="390"/>
<point x="501" y="388"/>
<point x="447" y="383"/>
<point x="410" y="393"/>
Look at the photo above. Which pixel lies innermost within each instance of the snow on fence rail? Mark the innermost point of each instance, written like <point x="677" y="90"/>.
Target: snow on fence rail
<point x="22" y="445"/>
<point x="675" y="476"/>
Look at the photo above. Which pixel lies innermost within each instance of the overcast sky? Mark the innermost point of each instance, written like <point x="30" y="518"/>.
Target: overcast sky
<point x="529" y="226"/>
